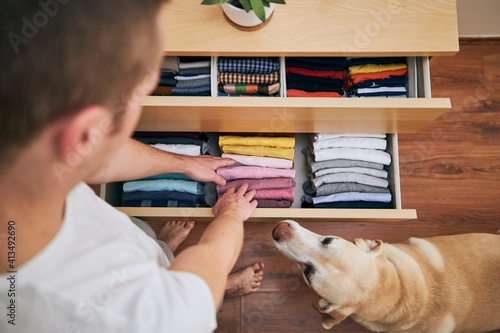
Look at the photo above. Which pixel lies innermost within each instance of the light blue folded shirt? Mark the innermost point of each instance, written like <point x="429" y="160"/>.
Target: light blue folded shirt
<point x="177" y="176"/>
<point x="165" y="185"/>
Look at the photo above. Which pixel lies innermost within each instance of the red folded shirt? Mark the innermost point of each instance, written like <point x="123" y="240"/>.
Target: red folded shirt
<point x="328" y="74"/>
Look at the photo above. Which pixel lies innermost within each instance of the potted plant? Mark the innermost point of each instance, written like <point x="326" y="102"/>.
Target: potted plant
<point x="246" y="13"/>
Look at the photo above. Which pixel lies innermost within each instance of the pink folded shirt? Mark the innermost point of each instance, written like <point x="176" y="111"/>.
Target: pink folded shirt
<point x="239" y="172"/>
<point x="258" y="184"/>
<point x="268" y="203"/>
<point x="274" y="194"/>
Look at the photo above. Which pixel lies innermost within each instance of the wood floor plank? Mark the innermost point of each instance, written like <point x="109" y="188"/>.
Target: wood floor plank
<point x="229" y="318"/>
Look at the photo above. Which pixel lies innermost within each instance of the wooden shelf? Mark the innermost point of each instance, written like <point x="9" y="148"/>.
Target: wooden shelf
<point x="297" y="115"/>
<point x="278" y="214"/>
<point x="318" y="28"/>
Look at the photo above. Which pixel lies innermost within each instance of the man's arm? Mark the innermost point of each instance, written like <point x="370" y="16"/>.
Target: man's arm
<point x="137" y="160"/>
<point x="219" y="247"/>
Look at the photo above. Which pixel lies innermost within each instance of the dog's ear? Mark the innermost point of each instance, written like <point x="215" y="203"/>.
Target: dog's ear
<point x="374" y="247"/>
<point x="329" y="316"/>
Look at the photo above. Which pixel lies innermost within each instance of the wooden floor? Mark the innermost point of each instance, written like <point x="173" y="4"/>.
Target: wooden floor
<point x="450" y="173"/>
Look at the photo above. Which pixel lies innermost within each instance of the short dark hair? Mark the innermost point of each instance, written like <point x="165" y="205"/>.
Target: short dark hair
<point x="58" y="56"/>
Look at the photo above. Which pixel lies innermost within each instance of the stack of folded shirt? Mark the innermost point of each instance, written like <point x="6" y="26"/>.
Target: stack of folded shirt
<point x="376" y="77"/>
<point x="172" y="189"/>
<point x="184" y="76"/>
<point x="168" y="71"/>
<point x="347" y="171"/>
<point x="264" y="163"/>
<point x="248" y="77"/>
<point x="315" y="77"/>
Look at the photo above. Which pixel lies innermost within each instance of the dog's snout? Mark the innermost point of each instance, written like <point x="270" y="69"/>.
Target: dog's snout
<point x="281" y="231"/>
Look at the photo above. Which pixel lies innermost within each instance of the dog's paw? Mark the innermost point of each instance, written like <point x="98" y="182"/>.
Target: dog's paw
<point x="329" y="314"/>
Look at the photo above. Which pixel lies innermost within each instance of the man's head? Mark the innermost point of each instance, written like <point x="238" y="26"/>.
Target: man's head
<point x="68" y="63"/>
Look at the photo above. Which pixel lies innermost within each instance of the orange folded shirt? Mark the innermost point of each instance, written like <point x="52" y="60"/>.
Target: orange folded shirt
<point x="353" y="79"/>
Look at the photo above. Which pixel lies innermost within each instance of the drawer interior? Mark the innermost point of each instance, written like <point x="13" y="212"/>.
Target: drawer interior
<point x="415" y="73"/>
<point x="112" y="192"/>
<point x="300" y="114"/>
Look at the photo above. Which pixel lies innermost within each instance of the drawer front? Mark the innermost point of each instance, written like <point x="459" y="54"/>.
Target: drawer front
<point x="318" y="28"/>
<point x="112" y="193"/>
<point x="301" y="114"/>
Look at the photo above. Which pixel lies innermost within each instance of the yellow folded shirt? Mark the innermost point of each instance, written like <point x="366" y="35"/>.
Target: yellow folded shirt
<point x="286" y="153"/>
<point x="279" y="142"/>
<point x="373" y="68"/>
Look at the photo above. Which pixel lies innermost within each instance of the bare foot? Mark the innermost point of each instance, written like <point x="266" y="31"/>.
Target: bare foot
<point x="175" y="232"/>
<point x="245" y="281"/>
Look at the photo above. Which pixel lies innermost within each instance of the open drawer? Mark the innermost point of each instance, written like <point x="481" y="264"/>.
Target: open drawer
<point x="300" y="114"/>
<point x="112" y="193"/>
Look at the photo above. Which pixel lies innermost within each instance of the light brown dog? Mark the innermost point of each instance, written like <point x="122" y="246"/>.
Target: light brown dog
<point x="434" y="285"/>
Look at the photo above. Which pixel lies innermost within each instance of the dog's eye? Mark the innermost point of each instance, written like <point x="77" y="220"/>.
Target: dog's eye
<point x="326" y="240"/>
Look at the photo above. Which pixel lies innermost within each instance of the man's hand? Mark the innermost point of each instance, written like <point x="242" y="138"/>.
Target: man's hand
<point x="202" y="168"/>
<point x="237" y="204"/>
<point x="141" y="161"/>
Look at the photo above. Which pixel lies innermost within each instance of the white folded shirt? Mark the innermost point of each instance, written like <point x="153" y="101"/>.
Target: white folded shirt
<point x="182" y="149"/>
<point x="369" y="155"/>
<point x="326" y="136"/>
<point x="381" y="89"/>
<point x="351" y="142"/>
<point x="268" y="162"/>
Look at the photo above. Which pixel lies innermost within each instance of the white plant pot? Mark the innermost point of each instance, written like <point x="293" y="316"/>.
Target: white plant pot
<point x="244" y="19"/>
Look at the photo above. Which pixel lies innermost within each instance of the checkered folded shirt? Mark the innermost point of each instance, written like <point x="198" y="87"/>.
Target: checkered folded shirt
<point x="247" y="65"/>
<point x="232" y="78"/>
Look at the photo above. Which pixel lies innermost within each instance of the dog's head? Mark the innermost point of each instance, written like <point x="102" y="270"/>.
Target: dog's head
<point x="342" y="273"/>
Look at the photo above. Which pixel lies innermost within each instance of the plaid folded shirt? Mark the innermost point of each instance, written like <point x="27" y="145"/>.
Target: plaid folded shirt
<point x="233" y="78"/>
<point x="247" y="65"/>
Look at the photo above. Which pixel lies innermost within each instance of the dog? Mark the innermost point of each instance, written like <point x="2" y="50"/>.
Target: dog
<point x="441" y="284"/>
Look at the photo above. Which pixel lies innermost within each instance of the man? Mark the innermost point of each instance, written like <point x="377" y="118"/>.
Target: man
<point x="74" y="74"/>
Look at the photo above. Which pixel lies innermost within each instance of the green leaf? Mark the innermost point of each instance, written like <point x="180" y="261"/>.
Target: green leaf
<point x="281" y="2"/>
<point x="246" y="5"/>
<point x="258" y="8"/>
<point x="211" y="2"/>
<point x="266" y="3"/>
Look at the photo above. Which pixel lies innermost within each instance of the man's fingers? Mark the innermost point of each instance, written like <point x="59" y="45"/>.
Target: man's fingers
<point x="250" y="194"/>
<point x="243" y="188"/>
<point x="223" y="162"/>
<point x="218" y="180"/>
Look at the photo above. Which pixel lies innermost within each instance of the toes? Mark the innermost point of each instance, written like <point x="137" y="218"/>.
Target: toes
<point x="257" y="266"/>
<point x="189" y="225"/>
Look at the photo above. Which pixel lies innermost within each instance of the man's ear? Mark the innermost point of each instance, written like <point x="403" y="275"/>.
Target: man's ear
<point x="81" y="133"/>
<point x="374" y="247"/>
<point x="329" y="316"/>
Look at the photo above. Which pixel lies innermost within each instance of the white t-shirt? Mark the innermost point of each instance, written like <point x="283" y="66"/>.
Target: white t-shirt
<point x="101" y="273"/>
